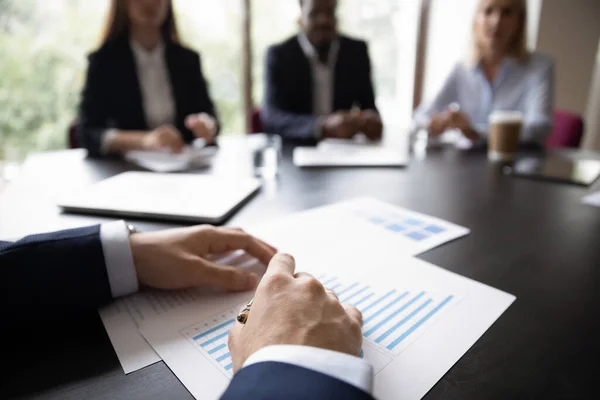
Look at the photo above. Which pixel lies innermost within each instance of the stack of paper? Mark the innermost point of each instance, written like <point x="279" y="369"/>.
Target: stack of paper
<point x="166" y="161"/>
<point x="350" y="153"/>
<point x="418" y="318"/>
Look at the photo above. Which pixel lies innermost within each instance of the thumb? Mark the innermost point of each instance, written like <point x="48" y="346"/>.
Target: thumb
<point x="226" y="277"/>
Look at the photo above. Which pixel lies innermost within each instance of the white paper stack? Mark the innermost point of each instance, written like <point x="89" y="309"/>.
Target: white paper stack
<point x="165" y="161"/>
<point x="350" y="153"/>
<point x="419" y="319"/>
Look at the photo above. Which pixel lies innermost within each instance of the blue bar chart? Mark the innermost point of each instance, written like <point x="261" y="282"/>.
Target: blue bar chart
<point x="411" y="228"/>
<point x="210" y="338"/>
<point x="392" y="319"/>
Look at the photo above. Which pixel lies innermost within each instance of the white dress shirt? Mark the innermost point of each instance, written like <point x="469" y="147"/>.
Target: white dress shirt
<point x="155" y="85"/>
<point x="122" y="277"/>
<point x="527" y="87"/>
<point x="323" y="78"/>
<point x="158" y="102"/>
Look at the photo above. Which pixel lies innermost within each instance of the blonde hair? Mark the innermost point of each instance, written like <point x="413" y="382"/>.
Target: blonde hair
<point x="517" y="49"/>
<point x="117" y="24"/>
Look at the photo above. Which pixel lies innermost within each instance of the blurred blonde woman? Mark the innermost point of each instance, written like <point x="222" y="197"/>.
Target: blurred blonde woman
<point x="498" y="74"/>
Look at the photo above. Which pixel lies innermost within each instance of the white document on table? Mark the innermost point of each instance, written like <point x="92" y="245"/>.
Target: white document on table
<point x="123" y="317"/>
<point x="363" y="225"/>
<point x="165" y="161"/>
<point x="418" y="321"/>
<point x="592" y="199"/>
<point x="349" y="155"/>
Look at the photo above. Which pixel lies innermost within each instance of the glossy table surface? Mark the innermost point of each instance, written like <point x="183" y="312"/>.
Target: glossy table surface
<point x="530" y="238"/>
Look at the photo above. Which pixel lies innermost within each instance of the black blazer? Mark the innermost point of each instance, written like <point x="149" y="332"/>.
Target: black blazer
<point x="47" y="277"/>
<point x="288" y="103"/>
<point x="112" y="96"/>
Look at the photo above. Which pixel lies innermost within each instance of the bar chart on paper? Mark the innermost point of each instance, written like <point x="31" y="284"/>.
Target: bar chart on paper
<point x="210" y="338"/>
<point x="392" y="320"/>
<point x="411" y="232"/>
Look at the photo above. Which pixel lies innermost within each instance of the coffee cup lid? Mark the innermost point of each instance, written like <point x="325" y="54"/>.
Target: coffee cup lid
<point x="506" y="117"/>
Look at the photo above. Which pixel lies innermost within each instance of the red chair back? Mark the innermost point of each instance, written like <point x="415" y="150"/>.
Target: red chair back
<point x="72" y="136"/>
<point x="256" y="122"/>
<point x="567" y="131"/>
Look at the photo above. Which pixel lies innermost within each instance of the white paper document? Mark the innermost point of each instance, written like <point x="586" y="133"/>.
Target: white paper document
<point x="418" y="321"/>
<point x="123" y="317"/>
<point x="360" y="225"/>
<point x="165" y="161"/>
<point x="365" y="226"/>
<point x="592" y="199"/>
<point x="349" y="155"/>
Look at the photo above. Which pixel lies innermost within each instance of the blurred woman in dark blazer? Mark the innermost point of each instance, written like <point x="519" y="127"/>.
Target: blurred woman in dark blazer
<point x="144" y="90"/>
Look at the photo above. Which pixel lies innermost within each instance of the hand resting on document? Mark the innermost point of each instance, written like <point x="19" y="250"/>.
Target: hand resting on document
<point x="177" y="258"/>
<point x="295" y="309"/>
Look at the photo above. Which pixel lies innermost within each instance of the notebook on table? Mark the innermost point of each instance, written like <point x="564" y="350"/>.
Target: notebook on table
<point x="174" y="197"/>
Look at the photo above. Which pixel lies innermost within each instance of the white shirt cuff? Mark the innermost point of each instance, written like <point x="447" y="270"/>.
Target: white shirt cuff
<point x="118" y="258"/>
<point x="105" y="141"/>
<point x="344" y="367"/>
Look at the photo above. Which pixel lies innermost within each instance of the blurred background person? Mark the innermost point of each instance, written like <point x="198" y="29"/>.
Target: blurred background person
<point x="318" y="83"/>
<point x="500" y="74"/>
<point x="144" y="90"/>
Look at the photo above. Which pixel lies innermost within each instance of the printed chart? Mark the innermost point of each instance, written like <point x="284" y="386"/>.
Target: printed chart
<point x="210" y="338"/>
<point x="413" y="228"/>
<point x="392" y="320"/>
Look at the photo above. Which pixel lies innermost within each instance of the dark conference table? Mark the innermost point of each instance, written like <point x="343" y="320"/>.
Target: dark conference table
<point x="529" y="238"/>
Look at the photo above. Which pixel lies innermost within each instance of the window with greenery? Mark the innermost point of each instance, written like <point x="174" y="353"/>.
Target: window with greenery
<point x="43" y="48"/>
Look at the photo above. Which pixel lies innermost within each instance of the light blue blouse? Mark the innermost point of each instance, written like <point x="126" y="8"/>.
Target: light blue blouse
<point x="526" y="87"/>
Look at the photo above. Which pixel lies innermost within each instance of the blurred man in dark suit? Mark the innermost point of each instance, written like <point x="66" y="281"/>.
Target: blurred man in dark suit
<point x="318" y="83"/>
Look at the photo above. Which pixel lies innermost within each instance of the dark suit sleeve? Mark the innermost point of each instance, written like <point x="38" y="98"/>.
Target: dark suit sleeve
<point x="367" y="94"/>
<point x="52" y="275"/>
<point x="275" y="116"/>
<point x="274" y="381"/>
<point x="201" y="101"/>
<point x="93" y="115"/>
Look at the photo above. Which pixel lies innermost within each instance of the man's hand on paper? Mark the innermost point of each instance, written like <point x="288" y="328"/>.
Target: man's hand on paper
<point x="295" y="309"/>
<point x="203" y="126"/>
<point x="176" y="258"/>
<point x="163" y="137"/>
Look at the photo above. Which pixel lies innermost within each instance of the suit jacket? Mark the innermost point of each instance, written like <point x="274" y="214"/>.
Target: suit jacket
<point x="288" y="107"/>
<point x="49" y="276"/>
<point x="112" y="96"/>
<point x="275" y="380"/>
